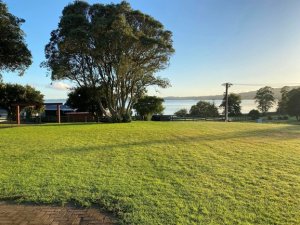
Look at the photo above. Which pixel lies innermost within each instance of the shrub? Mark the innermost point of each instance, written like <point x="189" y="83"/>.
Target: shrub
<point x="254" y="114"/>
<point x="149" y="105"/>
<point x="181" y="113"/>
<point x="204" y="109"/>
<point x="161" y="118"/>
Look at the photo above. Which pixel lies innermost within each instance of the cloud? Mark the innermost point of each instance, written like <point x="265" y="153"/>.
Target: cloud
<point x="59" y="86"/>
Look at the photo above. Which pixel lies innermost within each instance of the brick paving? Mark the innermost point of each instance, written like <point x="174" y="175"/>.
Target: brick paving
<point x="13" y="214"/>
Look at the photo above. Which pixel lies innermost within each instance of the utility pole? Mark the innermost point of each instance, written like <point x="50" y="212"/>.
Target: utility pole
<point x="227" y="85"/>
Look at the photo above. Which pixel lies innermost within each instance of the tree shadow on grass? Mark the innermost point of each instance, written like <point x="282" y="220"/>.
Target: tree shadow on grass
<point x="14" y="125"/>
<point x="283" y="133"/>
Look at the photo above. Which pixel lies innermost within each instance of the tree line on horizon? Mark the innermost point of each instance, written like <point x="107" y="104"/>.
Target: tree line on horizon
<point x="289" y="104"/>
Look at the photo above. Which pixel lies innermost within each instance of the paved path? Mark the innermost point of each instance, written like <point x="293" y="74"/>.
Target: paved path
<point x="12" y="214"/>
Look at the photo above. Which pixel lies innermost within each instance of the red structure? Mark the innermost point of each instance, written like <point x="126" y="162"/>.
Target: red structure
<point x="33" y="104"/>
<point x="80" y="117"/>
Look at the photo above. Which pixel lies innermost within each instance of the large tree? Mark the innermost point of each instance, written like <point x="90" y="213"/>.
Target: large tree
<point x="112" y="46"/>
<point x="293" y="103"/>
<point x="149" y="105"/>
<point x="15" y="93"/>
<point x="234" y="104"/>
<point x="14" y="54"/>
<point x="265" y="99"/>
<point x="204" y="109"/>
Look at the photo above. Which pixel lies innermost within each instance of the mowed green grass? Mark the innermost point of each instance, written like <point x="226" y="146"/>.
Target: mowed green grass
<point x="159" y="172"/>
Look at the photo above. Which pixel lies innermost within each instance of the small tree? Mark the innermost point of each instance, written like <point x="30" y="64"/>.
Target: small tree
<point x="204" y="109"/>
<point x="87" y="99"/>
<point x="14" y="54"/>
<point x="265" y="99"/>
<point x="14" y="93"/>
<point x="149" y="105"/>
<point x="181" y="113"/>
<point x="293" y="103"/>
<point x="234" y="104"/>
<point x="254" y="114"/>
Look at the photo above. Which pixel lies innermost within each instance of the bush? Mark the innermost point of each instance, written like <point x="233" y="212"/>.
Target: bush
<point x="161" y="118"/>
<point x="254" y="114"/>
<point x="204" y="109"/>
<point x="105" y="119"/>
<point x="149" y="105"/>
<point x="181" y="113"/>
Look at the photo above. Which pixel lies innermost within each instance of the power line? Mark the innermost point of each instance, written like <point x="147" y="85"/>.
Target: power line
<point x="268" y="84"/>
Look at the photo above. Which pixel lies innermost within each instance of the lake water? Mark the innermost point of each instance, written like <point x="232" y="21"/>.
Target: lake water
<point x="172" y="106"/>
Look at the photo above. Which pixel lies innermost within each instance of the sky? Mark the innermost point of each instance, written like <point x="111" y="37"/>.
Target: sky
<point x="239" y="41"/>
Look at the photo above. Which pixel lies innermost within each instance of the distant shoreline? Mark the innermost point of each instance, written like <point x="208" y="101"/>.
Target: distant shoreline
<point x="194" y="98"/>
<point x="244" y="96"/>
<point x="199" y="98"/>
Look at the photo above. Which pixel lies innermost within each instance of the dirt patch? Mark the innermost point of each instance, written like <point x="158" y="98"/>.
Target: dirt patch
<point x="23" y="214"/>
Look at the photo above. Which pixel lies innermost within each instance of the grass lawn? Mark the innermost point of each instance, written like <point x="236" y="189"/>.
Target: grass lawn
<point x="159" y="172"/>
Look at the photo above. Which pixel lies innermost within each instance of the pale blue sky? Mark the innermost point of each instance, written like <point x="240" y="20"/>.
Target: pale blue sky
<point x="240" y="41"/>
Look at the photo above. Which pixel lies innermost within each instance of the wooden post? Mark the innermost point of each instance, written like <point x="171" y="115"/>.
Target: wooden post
<point x="58" y="112"/>
<point x="18" y="115"/>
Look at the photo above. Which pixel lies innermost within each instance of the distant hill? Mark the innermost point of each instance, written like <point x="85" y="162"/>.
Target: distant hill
<point x="244" y="95"/>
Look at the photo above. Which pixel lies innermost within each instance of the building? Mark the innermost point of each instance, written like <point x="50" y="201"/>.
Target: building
<point x="50" y="113"/>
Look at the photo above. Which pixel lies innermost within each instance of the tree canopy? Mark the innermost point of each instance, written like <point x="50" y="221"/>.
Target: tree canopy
<point x="86" y="99"/>
<point x="265" y="99"/>
<point x="15" y="93"/>
<point x="204" y="109"/>
<point x="112" y="46"/>
<point x="149" y="105"/>
<point x="181" y="113"/>
<point x="14" y="54"/>
<point x="234" y="104"/>
<point x="254" y="114"/>
<point x="293" y="103"/>
<point x="282" y="104"/>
